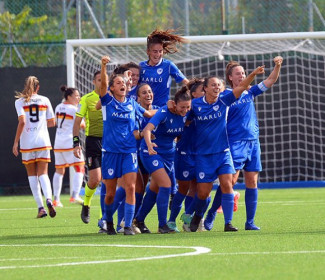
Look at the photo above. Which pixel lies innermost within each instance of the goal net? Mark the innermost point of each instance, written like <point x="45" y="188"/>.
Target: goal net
<point x="291" y="114"/>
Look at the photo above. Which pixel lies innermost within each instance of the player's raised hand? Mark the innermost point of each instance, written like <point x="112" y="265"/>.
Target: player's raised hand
<point x="278" y="60"/>
<point x="259" y="70"/>
<point x="105" y="59"/>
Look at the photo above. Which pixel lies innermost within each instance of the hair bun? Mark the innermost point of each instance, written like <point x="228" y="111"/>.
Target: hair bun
<point x="63" y="88"/>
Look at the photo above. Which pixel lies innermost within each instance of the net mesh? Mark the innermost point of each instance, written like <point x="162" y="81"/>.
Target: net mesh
<point x="291" y="114"/>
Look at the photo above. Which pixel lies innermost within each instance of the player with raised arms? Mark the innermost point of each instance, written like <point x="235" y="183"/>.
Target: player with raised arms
<point x="213" y="159"/>
<point x="119" y="145"/>
<point x="35" y="115"/>
<point x="63" y="146"/>
<point x="243" y="135"/>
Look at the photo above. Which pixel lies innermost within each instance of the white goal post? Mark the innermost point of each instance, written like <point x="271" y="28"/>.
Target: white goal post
<point x="291" y="114"/>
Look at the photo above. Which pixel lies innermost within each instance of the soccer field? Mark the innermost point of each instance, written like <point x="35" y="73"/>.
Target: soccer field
<point x="290" y="245"/>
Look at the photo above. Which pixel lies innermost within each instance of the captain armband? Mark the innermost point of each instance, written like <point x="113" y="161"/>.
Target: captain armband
<point x="262" y="86"/>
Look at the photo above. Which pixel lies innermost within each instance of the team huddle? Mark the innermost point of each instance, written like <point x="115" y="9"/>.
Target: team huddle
<point x="136" y="135"/>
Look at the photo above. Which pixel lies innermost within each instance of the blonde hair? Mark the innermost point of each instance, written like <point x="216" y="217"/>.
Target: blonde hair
<point x="31" y="84"/>
<point x="168" y="40"/>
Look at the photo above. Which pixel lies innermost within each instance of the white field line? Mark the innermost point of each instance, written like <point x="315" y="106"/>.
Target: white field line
<point x="269" y="253"/>
<point x="197" y="251"/>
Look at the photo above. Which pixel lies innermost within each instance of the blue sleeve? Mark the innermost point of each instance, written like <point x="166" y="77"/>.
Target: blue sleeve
<point x="257" y="89"/>
<point x="176" y="73"/>
<point x="227" y="97"/>
<point x="107" y="98"/>
<point x="159" y="116"/>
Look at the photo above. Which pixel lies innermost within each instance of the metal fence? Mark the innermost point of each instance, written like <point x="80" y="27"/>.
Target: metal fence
<point x="51" y="22"/>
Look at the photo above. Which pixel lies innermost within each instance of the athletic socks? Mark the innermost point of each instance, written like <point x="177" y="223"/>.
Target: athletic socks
<point x="191" y="208"/>
<point x="162" y="205"/>
<point x="121" y="212"/>
<point x="36" y="190"/>
<point x="207" y="202"/>
<point x="148" y="202"/>
<point x="227" y="203"/>
<point x="216" y="201"/>
<point x="176" y="206"/>
<point x="77" y="183"/>
<point x="102" y="199"/>
<point x="57" y="185"/>
<point x="46" y="186"/>
<point x="138" y="202"/>
<point x="128" y="214"/>
<point x="188" y="201"/>
<point x="109" y="212"/>
<point x="200" y="206"/>
<point x="89" y="193"/>
<point x="251" y="204"/>
<point x="118" y="198"/>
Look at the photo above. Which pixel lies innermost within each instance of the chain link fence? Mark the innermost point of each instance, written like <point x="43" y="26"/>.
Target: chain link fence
<point x="33" y="32"/>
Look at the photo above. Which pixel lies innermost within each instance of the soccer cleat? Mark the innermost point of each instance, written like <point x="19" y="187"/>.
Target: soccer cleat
<point x="165" y="229"/>
<point x="102" y="224"/>
<point x="186" y="227"/>
<point x="194" y="225"/>
<point x="110" y="229"/>
<point x="236" y="198"/>
<point x="76" y="200"/>
<point x="209" y="220"/>
<point x="135" y="229"/>
<point x="201" y="226"/>
<point x="85" y="216"/>
<point x="41" y="213"/>
<point x="249" y="226"/>
<point x="141" y="226"/>
<point x="57" y="203"/>
<point x="219" y="210"/>
<point x="51" y="208"/>
<point x="119" y="229"/>
<point x="230" y="227"/>
<point x="128" y="231"/>
<point x="172" y="225"/>
<point x="186" y="218"/>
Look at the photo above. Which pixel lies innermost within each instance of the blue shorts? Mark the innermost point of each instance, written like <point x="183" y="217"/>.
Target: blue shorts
<point x="184" y="167"/>
<point x="155" y="162"/>
<point x="115" y="165"/>
<point x="209" y="167"/>
<point x="247" y="155"/>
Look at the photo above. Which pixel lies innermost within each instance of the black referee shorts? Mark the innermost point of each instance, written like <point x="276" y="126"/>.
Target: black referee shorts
<point x="93" y="152"/>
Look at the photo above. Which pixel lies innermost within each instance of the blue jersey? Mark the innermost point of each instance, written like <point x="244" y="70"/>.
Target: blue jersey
<point x="167" y="127"/>
<point x="119" y="124"/>
<point x="186" y="144"/>
<point x="133" y="93"/>
<point x="159" y="77"/>
<point x="210" y="123"/>
<point x="141" y="122"/>
<point x="242" y="121"/>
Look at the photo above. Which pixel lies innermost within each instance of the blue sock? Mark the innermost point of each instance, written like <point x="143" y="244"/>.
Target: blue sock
<point x="119" y="197"/>
<point x="102" y="199"/>
<point x="120" y="212"/>
<point x="216" y="201"/>
<point x="227" y="202"/>
<point x="174" y="186"/>
<point x="207" y="202"/>
<point x="109" y="212"/>
<point x="176" y="206"/>
<point x="188" y="201"/>
<point x="148" y="202"/>
<point x="190" y="210"/>
<point x="162" y="205"/>
<point x="200" y="206"/>
<point x="128" y="214"/>
<point x="138" y="202"/>
<point x="251" y="204"/>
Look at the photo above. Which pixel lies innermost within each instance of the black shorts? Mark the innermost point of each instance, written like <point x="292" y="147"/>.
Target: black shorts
<point x="93" y="152"/>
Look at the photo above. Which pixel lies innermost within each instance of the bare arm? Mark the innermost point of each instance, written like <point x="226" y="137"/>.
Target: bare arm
<point x="103" y="76"/>
<point x="150" y="113"/>
<point x="270" y="80"/>
<point x="244" y="84"/>
<point x="76" y="127"/>
<point x="185" y="82"/>
<point x="50" y="122"/>
<point x="147" y="137"/>
<point x="19" y="131"/>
